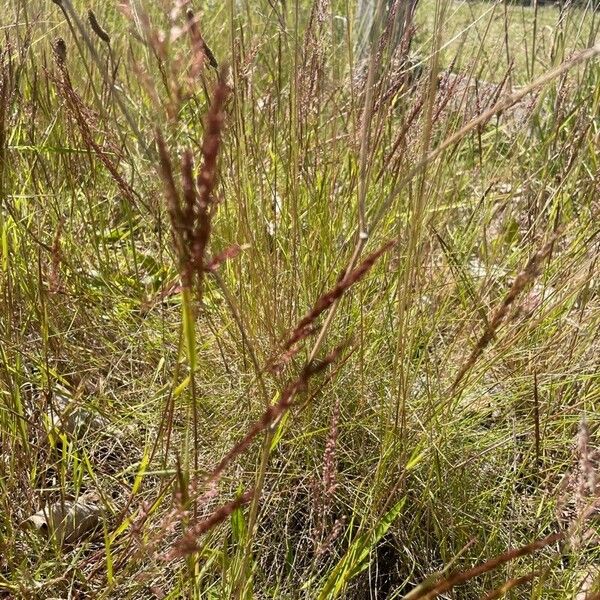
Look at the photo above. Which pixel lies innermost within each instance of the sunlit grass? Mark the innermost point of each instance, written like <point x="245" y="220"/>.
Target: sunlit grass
<point x="493" y="37"/>
<point x="434" y="472"/>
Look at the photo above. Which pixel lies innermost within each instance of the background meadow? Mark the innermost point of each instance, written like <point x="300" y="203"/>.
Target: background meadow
<point x="299" y="300"/>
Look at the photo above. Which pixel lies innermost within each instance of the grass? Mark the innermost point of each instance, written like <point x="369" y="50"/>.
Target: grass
<point x="330" y="332"/>
<point x="476" y="33"/>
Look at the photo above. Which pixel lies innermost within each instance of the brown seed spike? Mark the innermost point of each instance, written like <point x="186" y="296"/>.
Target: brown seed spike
<point x="96" y="28"/>
<point x="328" y="298"/>
<point x="207" y="177"/>
<point x="526" y="276"/>
<point x="60" y="50"/>
<point x="211" y="57"/>
<point x="198" y="43"/>
<point x="188" y="544"/>
<point x="189" y="188"/>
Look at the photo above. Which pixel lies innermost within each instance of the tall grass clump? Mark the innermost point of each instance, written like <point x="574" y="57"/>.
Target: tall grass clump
<point x="299" y="300"/>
